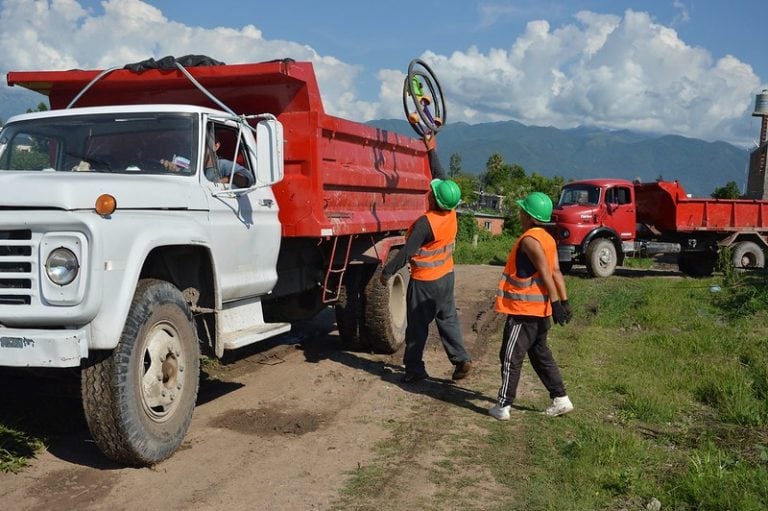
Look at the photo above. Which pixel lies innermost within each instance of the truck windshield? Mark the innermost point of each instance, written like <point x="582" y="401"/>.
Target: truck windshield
<point x="136" y="143"/>
<point x="583" y="195"/>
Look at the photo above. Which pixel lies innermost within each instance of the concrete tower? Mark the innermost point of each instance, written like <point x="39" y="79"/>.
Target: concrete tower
<point x="757" y="181"/>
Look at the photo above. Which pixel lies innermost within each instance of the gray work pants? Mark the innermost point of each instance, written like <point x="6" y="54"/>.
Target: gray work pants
<point x="432" y="300"/>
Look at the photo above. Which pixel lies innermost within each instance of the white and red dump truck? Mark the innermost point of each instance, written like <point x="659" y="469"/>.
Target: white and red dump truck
<point x="597" y="222"/>
<point x="128" y="267"/>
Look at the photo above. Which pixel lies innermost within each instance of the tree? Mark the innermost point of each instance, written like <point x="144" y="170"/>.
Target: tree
<point x="41" y="107"/>
<point x="454" y="166"/>
<point x="729" y="191"/>
<point x="467" y="185"/>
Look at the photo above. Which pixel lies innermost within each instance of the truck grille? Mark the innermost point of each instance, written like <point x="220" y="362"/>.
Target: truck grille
<point x="16" y="267"/>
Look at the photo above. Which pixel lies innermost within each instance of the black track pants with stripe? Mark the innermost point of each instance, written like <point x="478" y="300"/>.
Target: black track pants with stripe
<point x="526" y="334"/>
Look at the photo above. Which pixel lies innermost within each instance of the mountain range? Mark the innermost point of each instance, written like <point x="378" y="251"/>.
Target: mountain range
<point x="581" y="153"/>
<point x="577" y="153"/>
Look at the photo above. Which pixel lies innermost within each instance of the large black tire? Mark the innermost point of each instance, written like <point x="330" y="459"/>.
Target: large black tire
<point x="349" y="308"/>
<point x="746" y="255"/>
<point x="601" y="258"/>
<point x="386" y="311"/>
<point x="697" y="264"/>
<point x="138" y="399"/>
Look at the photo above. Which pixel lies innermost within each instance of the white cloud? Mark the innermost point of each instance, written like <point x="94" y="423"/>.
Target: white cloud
<point x="609" y="71"/>
<point x="606" y="71"/>
<point x="60" y="34"/>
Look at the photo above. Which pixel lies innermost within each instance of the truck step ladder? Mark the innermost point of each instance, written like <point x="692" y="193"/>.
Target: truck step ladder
<point x="335" y="275"/>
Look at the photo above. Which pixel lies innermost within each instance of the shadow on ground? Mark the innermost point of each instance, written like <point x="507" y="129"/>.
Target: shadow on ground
<point x="449" y="391"/>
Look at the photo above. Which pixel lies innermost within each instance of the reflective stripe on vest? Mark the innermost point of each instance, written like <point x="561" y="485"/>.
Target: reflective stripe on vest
<point x="435" y="259"/>
<point x="526" y="296"/>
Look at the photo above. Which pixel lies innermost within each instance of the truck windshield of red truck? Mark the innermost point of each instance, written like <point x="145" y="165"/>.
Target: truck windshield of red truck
<point x="583" y="195"/>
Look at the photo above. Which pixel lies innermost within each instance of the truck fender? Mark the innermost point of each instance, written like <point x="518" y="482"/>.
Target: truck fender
<point x="380" y="250"/>
<point x="603" y="232"/>
<point x="120" y="283"/>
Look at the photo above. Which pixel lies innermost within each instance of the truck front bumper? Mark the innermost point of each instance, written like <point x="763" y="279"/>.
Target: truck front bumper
<point x="565" y="253"/>
<point x="22" y="347"/>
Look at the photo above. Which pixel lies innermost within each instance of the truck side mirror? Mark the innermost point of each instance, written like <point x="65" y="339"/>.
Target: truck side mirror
<point x="269" y="152"/>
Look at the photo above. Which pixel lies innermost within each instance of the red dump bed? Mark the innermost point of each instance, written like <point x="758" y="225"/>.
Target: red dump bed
<point x="665" y="205"/>
<point x="341" y="177"/>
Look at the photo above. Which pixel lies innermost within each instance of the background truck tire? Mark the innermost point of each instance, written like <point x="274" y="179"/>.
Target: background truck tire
<point x="386" y="311"/>
<point x="601" y="258"/>
<point x="747" y="254"/>
<point x="138" y="399"/>
<point x="350" y="305"/>
<point x="697" y="264"/>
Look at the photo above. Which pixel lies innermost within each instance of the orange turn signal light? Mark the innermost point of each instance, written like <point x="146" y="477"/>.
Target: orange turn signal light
<point x="105" y="204"/>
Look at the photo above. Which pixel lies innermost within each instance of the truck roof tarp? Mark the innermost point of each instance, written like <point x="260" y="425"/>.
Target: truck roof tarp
<point x="274" y="87"/>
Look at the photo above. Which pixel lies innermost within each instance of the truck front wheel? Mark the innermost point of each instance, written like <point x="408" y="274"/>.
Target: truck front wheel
<point x="601" y="258"/>
<point x="748" y="254"/>
<point x="138" y="400"/>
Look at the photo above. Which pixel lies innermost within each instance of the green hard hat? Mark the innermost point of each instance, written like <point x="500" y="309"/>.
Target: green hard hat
<point x="447" y="193"/>
<point x="538" y="205"/>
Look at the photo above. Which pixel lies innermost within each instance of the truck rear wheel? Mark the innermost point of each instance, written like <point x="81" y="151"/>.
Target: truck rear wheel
<point x="349" y="307"/>
<point x="138" y="400"/>
<point x="386" y="311"/>
<point x="697" y="264"/>
<point x="747" y="254"/>
<point x="601" y="258"/>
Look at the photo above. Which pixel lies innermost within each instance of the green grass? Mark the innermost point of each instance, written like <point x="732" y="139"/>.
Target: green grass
<point x="670" y="383"/>
<point x="16" y="448"/>
<point x="670" y="387"/>
<point x="493" y="250"/>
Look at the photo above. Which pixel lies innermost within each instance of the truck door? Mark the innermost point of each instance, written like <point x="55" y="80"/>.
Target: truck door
<point x="620" y="211"/>
<point x="244" y="226"/>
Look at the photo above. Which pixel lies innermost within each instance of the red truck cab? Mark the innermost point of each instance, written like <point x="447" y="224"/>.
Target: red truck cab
<point x="592" y="210"/>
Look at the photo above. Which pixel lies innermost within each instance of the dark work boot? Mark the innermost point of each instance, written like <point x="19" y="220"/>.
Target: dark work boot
<point x="462" y="370"/>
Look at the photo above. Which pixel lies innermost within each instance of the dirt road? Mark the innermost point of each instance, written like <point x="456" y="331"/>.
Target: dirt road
<point x="279" y="426"/>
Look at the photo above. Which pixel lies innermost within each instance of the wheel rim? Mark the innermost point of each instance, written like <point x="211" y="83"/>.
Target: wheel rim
<point x="605" y="258"/>
<point x="748" y="260"/>
<point x="162" y="369"/>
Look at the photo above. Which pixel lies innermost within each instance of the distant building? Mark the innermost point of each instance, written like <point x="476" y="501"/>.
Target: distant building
<point x="491" y="223"/>
<point x="488" y="200"/>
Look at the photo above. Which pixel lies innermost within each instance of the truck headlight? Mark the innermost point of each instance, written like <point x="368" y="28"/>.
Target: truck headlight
<point x="62" y="266"/>
<point x="564" y="234"/>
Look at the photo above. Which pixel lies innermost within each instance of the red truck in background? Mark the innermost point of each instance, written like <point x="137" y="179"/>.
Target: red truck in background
<point x="598" y="222"/>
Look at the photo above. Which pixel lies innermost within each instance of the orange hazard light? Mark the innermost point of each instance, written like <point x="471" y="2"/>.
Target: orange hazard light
<point x="105" y="204"/>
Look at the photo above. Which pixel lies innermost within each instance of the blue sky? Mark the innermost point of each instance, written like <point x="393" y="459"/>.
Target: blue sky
<point x="667" y="66"/>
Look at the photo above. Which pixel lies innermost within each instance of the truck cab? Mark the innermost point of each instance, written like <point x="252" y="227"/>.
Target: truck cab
<point x="595" y="223"/>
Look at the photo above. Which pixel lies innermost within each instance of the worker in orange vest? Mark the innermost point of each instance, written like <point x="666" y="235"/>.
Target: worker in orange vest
<point x="429" y="248"/>
<point x="531" y="289"/>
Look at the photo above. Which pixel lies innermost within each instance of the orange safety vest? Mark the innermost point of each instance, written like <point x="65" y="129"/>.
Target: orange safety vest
<point x="526" y="296"/>
<point x="435" y="259"/>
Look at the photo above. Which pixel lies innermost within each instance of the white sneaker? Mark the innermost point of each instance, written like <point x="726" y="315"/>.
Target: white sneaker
<point x="500" y="412"/>
<point x="560" y="406"/>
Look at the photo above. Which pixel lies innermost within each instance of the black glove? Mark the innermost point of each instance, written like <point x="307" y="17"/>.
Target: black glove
<point x="567" y="307"/>
<point x="559" y="314"/>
